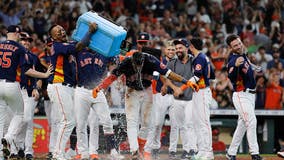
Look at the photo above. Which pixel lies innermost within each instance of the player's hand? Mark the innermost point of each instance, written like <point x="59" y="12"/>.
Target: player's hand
<point x="93" y="27"/>
<point x="192" y="85"/>
<point x="49" y="71"/>
<point x="164" y="90"/>
<point x="239" y="61"/>
<point x="177" y="91"/>
<point x="35" y="94"/>
<point x="95" y="92"/>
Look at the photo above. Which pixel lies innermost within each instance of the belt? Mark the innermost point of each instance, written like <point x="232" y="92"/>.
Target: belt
<point x="86" y="87"/>
<point x="252" y="91"/>
<point x="6" y="80"/>
<point x="68" y="85"/>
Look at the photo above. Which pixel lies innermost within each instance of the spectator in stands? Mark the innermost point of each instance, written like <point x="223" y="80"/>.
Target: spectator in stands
<point x="262" y="57"/>
<point x="224" y="90"/>
<point x="10" y="15"/>
<point x="39" y="23"/>
<point x="217" y="145"/>
<point x="260" y="92"/>
<point x="219" y="57"/>
<point x="274" y="92"/>
<point x="275" y="61"/>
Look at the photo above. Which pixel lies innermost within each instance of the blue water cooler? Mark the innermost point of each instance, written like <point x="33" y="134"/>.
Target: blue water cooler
<point x="108" y="37"/>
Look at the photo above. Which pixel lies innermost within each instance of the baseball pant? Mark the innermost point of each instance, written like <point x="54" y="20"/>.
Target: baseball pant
<point x="181" y="120"/>
<point x="3" y="120"/>
<point x="245" y="103"/>
<point x="138" y="106"/>
<point x="10" y="92"/>
<point x="62" y="97"/>
<point x="201" y="121"/>
<point x="161" y="104"/>
<point x="25" y="139"/>
<point x="84" y="102"/>
<point x="47" y="109"/>
<point x="94" y="132"/>
<point x="116" y="93"/>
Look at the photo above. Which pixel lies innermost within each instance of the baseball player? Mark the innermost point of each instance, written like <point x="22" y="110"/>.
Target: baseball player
<point x="30" y="95"/>
<point x="14" y="62"/>
<point x="182" y="104"/>
<point x="91" y="62"/>
<point x="138" y="70"/>
<point x="161" y="104"/>
<point x="62" y="82"/>
<point x="201" y="99"/>
<point x="241" y="74"/>
<point x="51" y="111"/>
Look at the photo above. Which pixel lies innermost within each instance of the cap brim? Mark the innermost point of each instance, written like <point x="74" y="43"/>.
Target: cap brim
<point x="142" y="40"/>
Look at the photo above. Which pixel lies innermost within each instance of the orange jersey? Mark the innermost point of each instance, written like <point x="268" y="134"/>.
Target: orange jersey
<point x="273" y="97"/>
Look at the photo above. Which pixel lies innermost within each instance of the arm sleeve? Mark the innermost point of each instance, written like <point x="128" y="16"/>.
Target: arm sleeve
<point x="159" y="66"/>
<point x="107" y="81"/>
<point x="232" y="70"/>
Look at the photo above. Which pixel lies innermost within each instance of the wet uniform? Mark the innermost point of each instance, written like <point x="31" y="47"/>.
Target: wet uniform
<point x="139" y="96"/>
<point x="92" y="67"/>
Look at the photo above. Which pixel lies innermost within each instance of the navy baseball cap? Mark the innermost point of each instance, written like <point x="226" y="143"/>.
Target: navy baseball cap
<point x="13" y="29"/>
<point x="143" y="37"/>
<point x="182" y="41"/>
<point x="25" y="36"/>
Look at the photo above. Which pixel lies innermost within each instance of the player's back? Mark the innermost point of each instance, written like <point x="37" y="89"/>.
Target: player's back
<point x="12" y="56"/>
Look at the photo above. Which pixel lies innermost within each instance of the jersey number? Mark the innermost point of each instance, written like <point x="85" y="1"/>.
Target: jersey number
<point x="5" y="61"/>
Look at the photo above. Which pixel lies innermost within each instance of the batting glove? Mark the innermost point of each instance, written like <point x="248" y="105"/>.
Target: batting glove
<point x="190" y="84"/>
<point x="95" y="92"/>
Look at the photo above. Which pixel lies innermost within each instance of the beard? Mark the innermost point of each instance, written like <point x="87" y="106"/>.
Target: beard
<point x="180" y="55"/>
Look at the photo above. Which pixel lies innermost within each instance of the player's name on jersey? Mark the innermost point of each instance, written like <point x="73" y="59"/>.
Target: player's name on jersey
<point x="10" y="47"/>
<point x="221" y="112"/>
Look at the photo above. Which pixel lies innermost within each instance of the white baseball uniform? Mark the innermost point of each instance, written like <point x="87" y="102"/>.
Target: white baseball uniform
<point x="161" y="104"/>
<point x="84" y="102"/>
<point x="62" y="98"/>
<point x="138" y="105"/>
<point x="93" y="120"/>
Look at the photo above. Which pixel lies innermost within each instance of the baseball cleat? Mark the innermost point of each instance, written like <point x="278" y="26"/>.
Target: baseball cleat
<point x="230" y="157"/>
<point x="94" y="157"/>
<point x="256" y="157"/>
<point x="6" y="148"/>
<point x="49" y="156"/>
<point x="155" y="154"/>
<point x="14" y="157"/>
<point x="172" y="155"/>
<point x="21" y="154"/>
<point x="29" y="157"/>
<point x="184" y="155"/>
<point x="280" y="154"/>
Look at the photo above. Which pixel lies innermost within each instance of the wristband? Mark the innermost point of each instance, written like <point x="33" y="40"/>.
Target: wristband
<point x="184" y="81"/>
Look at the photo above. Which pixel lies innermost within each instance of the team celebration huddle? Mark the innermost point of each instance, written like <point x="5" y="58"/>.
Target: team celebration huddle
<point x="74" y="76"/>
